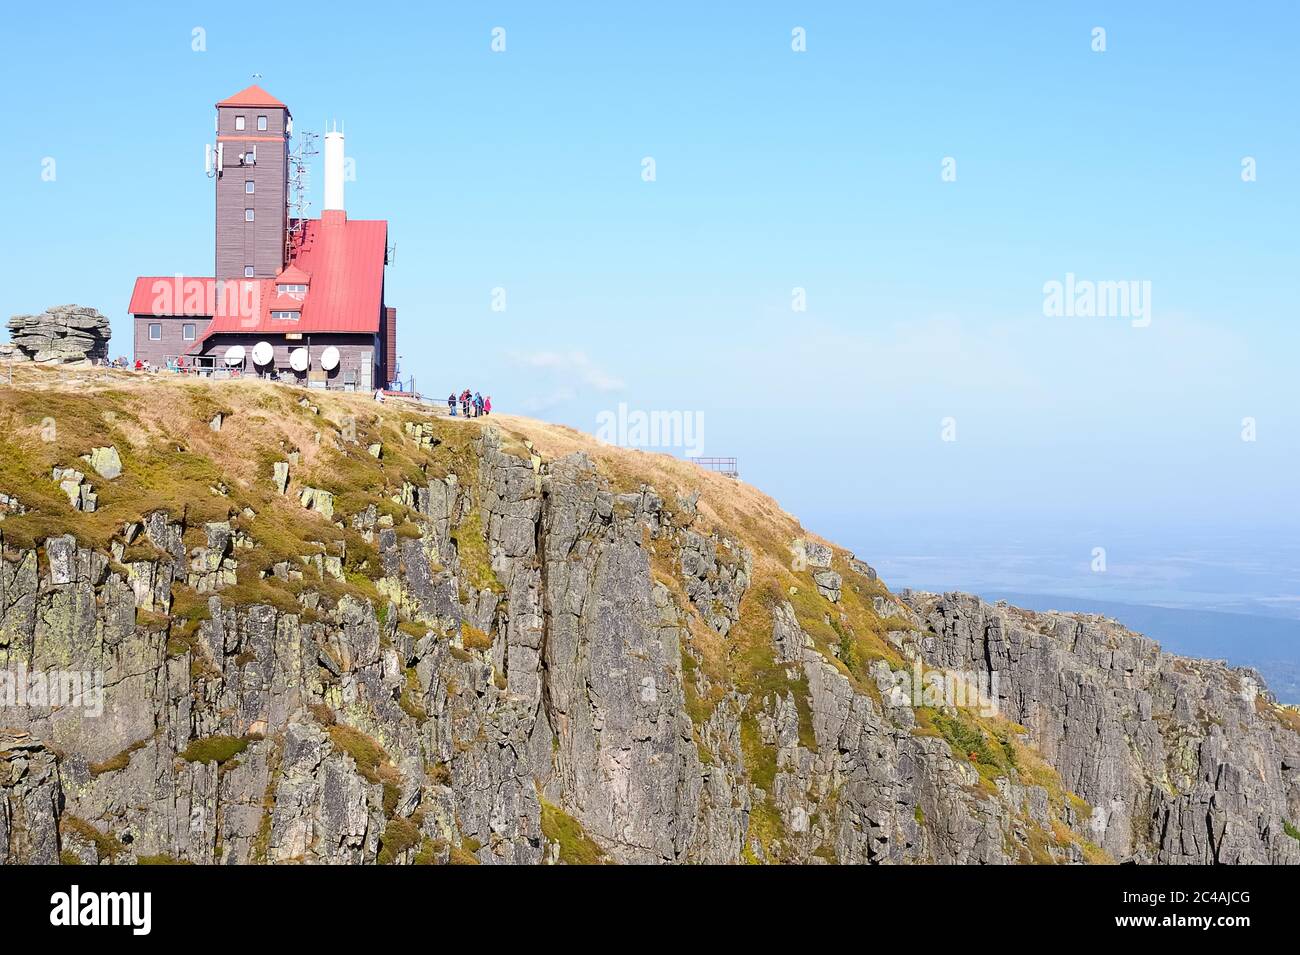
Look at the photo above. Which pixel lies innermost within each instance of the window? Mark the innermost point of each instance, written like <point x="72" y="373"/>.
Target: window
<point x="187" y="332"/>
<point x="155" y="333"/>
<point x="261" y="122"/>
<point x="249" y="186"/>
<point x="248" y="271"/>
<point x="239" y="122"/>
<point x="292" y="289"/>
<point x="248" y="215"/>
<point x="285" y="316"/>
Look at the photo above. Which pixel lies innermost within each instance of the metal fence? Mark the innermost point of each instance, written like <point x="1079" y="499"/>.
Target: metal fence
<point x="725" y="466"/>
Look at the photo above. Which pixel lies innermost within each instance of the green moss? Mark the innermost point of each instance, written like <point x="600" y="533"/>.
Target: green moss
<point x="106" y="845"/>
<point x="465" y="852"/>
<point x="161" y="860"/>
<point x="765" y="828"/>
<point x="428" y="852"/>
<point x="1290" y="830"/>
<point x="471" y="547"/>
<point x="399" y="836"/>
<point x="412" y="629"/>
<point x="410" y="698"/>
<point x="472" y="638"/>
<point x="461" y="855"/>
<point x="576" y="847"/>
<point x="992" y="757"/>
<point x="373" y="763"/>
<point x="215" y="749"/>
<point x="121" y="760"/>
<point x="760" y="759"/>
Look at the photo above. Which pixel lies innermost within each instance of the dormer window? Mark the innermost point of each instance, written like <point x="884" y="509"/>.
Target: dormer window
<point x="291" y="289"/>
<point x="285" y="316"/>
<point x="239" y="122"/>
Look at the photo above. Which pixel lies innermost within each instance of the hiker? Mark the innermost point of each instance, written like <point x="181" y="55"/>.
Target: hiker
<point x="139" y="365"/>
<point x="451" y="404"/>
<point x="478" y="404"/>
<point x="464" y="402"/>
<point x="487" y="405"/>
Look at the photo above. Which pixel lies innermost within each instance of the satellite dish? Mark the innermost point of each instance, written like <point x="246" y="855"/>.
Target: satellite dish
<point x="299" y="359"/>
<point x="329" y="358"/>
<point x="235" y="355"/>
<point x="263" y="353"/>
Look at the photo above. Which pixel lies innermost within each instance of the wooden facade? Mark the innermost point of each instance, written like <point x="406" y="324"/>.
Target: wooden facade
<point x="177" y="335"/>
<point x="359" y="357"/>
<point x="258" y="244"/>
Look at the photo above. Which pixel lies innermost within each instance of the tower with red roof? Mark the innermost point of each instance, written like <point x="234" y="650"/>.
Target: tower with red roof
<point x="253" y="129"/>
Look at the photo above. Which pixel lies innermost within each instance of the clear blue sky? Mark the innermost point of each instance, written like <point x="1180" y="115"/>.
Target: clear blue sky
<point x="775" y="170"/>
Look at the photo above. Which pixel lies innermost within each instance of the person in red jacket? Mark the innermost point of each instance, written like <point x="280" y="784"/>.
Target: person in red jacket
<point x="487" y="405"/>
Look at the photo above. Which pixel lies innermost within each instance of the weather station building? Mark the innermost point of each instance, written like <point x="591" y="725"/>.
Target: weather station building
<point x="294" y="298"/>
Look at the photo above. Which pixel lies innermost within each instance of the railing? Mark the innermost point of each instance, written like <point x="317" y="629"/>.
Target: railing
<point x="725" y="466"/>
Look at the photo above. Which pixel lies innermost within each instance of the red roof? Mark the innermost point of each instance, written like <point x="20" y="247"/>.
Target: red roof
<point x="252" y="96"/>
<point x="292" y="275"/>
<point x="345" y="258"/>
<point x="286" y="303"/>
<point x="177" y="295"/>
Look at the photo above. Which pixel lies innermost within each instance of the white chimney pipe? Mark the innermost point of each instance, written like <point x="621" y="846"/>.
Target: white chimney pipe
<point x="334" y="170"/>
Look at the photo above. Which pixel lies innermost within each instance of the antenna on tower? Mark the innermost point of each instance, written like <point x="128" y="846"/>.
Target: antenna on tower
<point x="299" y="184"/>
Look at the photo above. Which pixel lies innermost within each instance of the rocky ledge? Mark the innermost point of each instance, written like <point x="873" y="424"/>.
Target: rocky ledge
<point x="61" y="334"/>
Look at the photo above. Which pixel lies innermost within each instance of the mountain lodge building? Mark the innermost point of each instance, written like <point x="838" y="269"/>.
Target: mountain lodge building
<point x="299" y="298"/>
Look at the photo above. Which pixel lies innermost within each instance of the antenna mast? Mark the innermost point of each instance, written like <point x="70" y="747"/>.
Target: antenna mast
<point x="299" y="183"/>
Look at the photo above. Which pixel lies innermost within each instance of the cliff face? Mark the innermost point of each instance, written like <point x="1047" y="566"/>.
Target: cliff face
<point x="330" y="631"/>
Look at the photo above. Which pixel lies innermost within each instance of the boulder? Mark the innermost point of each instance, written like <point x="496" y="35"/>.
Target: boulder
<point x="828" y="584"/>
<point x="61" y="334"/>
<point x="810" y="553"/>
<point x="106" y="461"/>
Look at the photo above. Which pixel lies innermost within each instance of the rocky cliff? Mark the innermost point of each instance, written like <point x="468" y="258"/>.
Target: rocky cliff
<point x="339" y="632"/>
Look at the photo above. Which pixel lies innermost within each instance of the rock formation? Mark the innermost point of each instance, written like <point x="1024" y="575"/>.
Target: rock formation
<point x="491" y="655"/>
<point x="60" y="335"/>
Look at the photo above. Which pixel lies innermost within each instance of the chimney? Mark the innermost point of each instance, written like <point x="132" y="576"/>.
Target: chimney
<point x="334" y="171"/>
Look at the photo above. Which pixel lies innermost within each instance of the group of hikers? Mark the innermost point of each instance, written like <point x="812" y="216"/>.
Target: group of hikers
<point x="174" y="364"/>
<point x="471" y="405"/>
